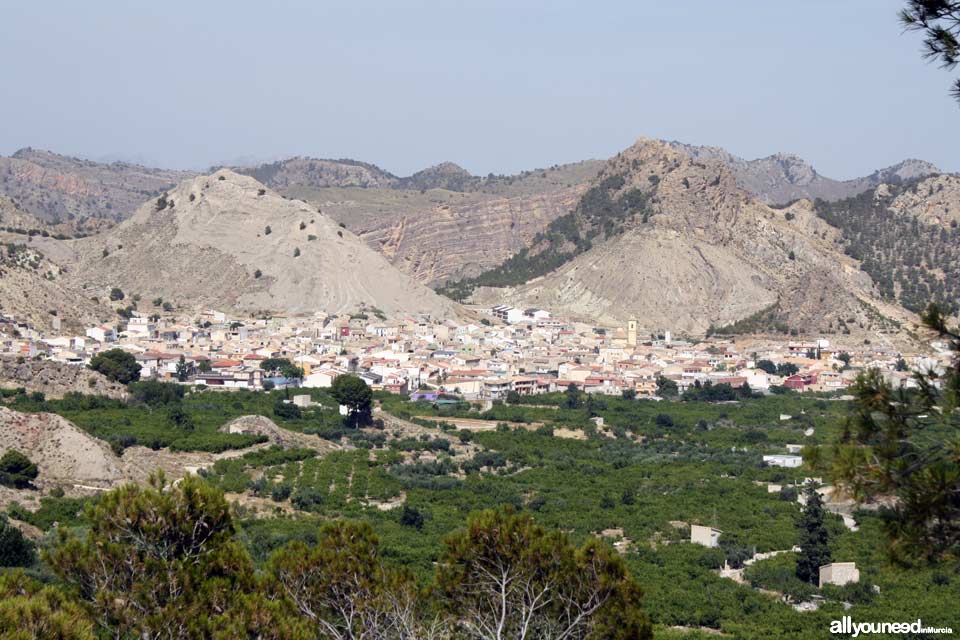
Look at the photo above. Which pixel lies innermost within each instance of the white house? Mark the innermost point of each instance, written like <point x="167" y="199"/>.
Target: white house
<point x="320" y="378"/>
<point x="102" y="334"/>
<point x="783" y="460"/>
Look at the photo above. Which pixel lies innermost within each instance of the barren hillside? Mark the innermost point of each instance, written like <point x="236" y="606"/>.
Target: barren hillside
<point x="225" y="240"/>
<point x="37" y="289"/>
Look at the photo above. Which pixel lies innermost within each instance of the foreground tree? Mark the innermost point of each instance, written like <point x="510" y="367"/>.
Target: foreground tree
<point x="814" y="552"/>
<point x="356" y="395"/>
<point x="903" y="443"/>
<point x="939" y="20"/>
<point x="117" y="365"/>
<point x="506" y="577"/>
<point x="158" y="562"/>
<point x="32" y="611"/>
<point x="346" y="590"/>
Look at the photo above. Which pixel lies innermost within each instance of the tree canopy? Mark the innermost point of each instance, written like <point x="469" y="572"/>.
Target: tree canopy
<point x="117" y="365"/>
<point x="902" y="442"/>
<point x="505" y="576"/>
<point x="356" y="395"/>
<point x="939" y="20"/>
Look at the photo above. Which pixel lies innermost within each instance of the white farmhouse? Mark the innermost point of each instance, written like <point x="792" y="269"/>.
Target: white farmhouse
<point x="707" y="536"/>
<point x="839" y="573"/>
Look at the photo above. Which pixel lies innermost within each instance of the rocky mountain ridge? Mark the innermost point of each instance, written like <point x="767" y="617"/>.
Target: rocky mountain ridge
<point x="58" y="188"/>
<point x="783" y="177"/>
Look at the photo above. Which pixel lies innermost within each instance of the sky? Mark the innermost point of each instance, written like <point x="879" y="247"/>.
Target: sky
<point x="495" y="86"/>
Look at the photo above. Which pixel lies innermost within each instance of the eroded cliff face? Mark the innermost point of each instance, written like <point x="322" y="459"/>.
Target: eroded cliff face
<point x="60" y="188"/>
<point x="452" y="241"/>
<point x="706" y="253"/>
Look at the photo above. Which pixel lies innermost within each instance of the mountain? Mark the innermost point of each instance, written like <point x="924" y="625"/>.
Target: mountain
<point x="313" y="173"/>
<point x="442" y="223"/>
<point x="224" y="240"/>
<point x="783" y="178"/>
<point x="674" y="242"/>
<point x="905" y="236"/>
<point x="59" y="188"/>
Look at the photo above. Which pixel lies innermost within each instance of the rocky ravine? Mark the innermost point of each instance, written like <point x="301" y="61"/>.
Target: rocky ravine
<point x="709" y="255"/>
<point x="225" y="240"/>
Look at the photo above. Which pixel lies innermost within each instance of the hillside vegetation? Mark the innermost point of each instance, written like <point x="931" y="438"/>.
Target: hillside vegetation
<point x="913" y="261"/>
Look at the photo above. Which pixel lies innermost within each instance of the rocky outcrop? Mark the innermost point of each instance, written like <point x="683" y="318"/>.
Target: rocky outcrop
<point x="63" y="453"/>
<point x="54" y="379"/>
<point x="276" y="435"/>
<point x="935" y="200"/>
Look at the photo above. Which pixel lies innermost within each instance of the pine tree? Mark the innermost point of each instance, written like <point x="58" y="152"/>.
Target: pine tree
<point x="183" y="371"/>
<point x="814" y="552"/>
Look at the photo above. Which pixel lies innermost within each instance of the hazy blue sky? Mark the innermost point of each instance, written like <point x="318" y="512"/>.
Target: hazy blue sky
<point x="495" y="86"/>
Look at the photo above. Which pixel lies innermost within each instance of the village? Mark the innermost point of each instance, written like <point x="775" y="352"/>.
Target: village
<point x="508" y="351"/>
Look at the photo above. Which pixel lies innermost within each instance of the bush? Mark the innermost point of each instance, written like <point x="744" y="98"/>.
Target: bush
<point x="307" y="499"/>
<point x="15" y="550"/>
<point x="116" y="294"/>
<point x="155" y="393"/>
<point x="280" y="492"/>
<point x="287" y="411"/>
<point x="16" y="470"/>
<point x="411" y="517"/>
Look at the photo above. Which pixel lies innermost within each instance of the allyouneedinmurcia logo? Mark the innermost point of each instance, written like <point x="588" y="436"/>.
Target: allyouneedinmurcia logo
<point x="846" y="626"/>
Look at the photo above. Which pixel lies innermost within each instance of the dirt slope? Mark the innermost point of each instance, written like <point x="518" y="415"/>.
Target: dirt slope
<point x="226" y="240"/>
